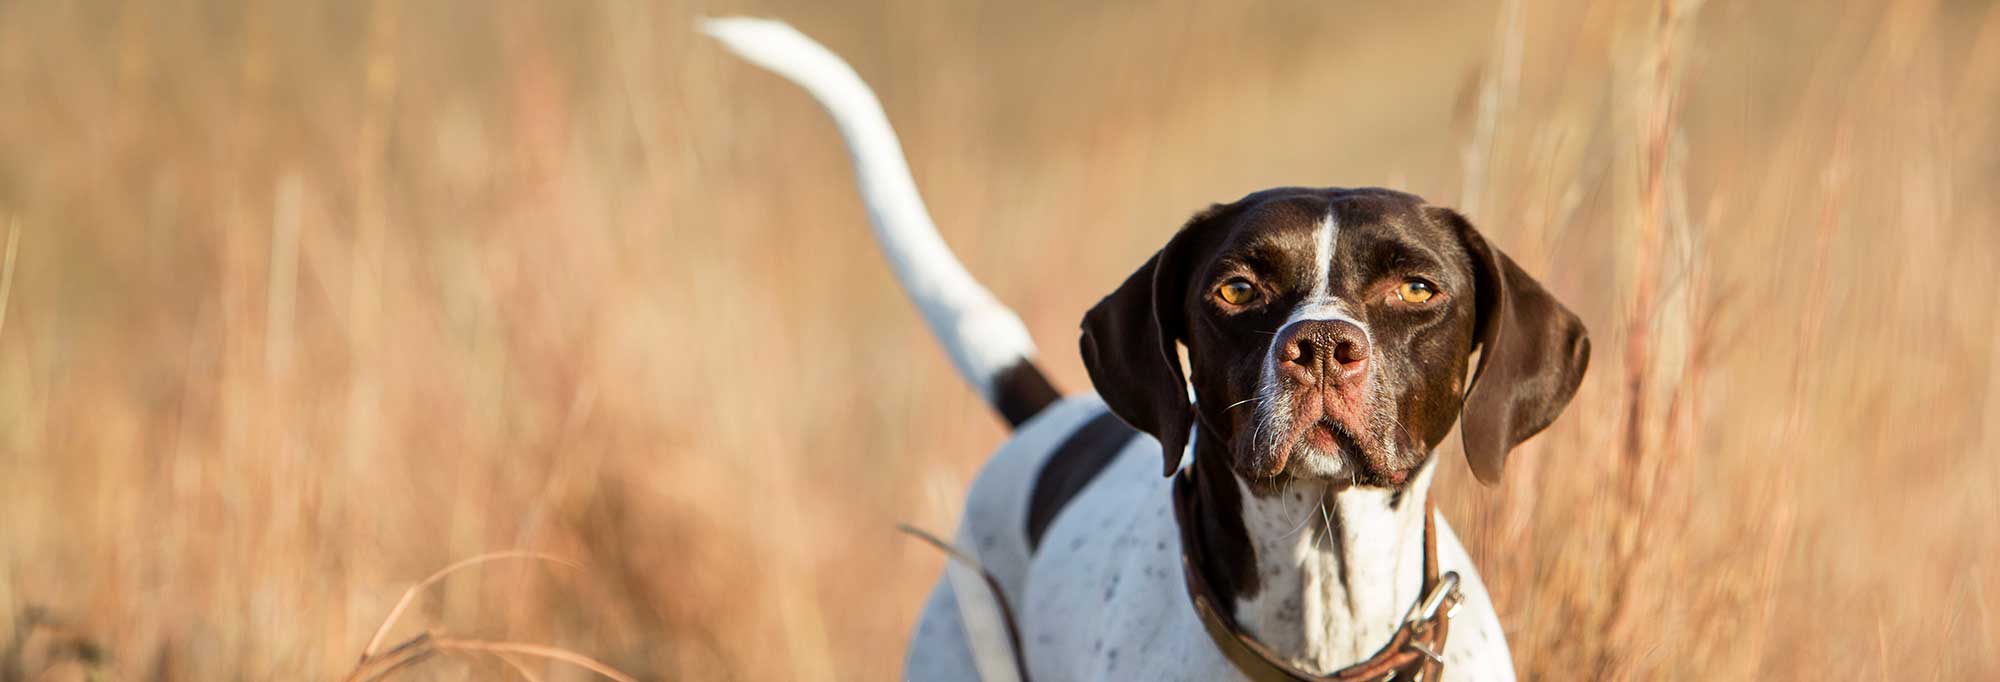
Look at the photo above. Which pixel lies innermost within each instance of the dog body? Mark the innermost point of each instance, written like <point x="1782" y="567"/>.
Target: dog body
<point x="1329" y="334"/>
<point x="1100" y="596"/>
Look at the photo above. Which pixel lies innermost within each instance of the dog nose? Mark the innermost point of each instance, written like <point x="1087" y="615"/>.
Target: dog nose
<point x="1336" y="347"/>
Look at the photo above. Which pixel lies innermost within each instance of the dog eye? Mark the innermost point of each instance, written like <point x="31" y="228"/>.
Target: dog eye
<point x="1415" y="291"/>
<point x="1237" y="291"/>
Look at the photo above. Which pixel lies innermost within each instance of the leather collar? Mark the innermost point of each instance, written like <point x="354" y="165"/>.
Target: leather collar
<point x="1414" y="652"/>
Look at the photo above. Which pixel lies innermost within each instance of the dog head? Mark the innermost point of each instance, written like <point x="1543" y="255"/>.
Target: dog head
<point x="1328" y="333"/>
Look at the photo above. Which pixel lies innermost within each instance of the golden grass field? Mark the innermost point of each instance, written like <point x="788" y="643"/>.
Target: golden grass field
<point x="304" y="302"/>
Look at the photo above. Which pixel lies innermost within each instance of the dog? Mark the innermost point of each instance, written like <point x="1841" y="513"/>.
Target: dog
<point x="1329" y="335"/>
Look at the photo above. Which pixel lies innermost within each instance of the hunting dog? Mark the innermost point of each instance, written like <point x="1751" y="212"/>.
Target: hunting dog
<point x="1329" y="335"/>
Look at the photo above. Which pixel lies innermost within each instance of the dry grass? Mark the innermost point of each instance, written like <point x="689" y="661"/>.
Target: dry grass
<point x="377" y="663"/>
<point x="303" y="302"/>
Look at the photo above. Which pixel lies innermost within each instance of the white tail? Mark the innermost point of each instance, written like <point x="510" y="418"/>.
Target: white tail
<point x="983" y="337"/>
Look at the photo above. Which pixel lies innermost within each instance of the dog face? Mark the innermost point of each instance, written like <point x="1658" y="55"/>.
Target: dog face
<point x="1328" y="334"/>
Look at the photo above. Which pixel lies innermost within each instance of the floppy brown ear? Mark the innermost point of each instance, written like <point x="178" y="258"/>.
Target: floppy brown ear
<point x="1533" y="353"/>
<point x="1129" y="344"/>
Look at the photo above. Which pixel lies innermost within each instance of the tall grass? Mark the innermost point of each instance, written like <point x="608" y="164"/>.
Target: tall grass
<point x="302" y="302"/>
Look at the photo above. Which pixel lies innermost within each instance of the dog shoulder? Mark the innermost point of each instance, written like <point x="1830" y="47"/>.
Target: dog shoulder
<point x="993" y="530"/>
<point x="1105" y="597"/>
<point x="993" y="526"/>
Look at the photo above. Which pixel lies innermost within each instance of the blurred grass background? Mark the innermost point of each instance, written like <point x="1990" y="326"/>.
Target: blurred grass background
<point x="304" y="301"/>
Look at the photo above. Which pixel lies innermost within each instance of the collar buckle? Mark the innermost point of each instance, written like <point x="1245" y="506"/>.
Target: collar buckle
<point x="1444" y="598"/>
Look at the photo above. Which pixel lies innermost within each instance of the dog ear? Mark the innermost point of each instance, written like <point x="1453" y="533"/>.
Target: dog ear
<point x="1129" y="342"/>
<point x="1533" y="353"/>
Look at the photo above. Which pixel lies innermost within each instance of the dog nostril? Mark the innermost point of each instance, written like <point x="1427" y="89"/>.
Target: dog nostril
<point x="1350" y="351"/>
<point x="1301" y="351"/>
<point x="1314" y="345"/>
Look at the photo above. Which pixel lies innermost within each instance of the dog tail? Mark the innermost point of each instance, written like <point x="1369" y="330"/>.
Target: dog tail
<point x="986" y="341"/>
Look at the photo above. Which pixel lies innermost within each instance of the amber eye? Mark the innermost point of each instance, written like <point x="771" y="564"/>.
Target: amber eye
<point x="1415" y="291"/>
<point x="1237" y="291"/>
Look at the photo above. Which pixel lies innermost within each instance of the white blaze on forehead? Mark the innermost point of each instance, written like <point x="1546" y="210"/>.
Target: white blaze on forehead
<point x="1319" y="302"/>
<point x="1323" y="235"/>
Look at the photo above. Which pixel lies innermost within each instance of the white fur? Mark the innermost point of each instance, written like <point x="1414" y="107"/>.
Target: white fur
<point x="1324" y="236"/>
<point x="982" y="336"/>
<point x="993" y="531"/>
<point x="1320" y="303"/>
<point x="1103" y="598"/>
<point x="1338" y="621"/>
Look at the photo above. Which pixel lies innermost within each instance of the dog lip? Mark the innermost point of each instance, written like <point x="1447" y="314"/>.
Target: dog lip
<point x="1391" y="478"/>
<point x="1323" y="434"/>
<point x="1263" y="464"/>
<point x="1328" y="437"/>
<point x="1324" y="426"/>
<point x="1274" y="462"/>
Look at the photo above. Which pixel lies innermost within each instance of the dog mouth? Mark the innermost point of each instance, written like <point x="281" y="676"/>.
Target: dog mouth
<point x="1325" y="447"/>
<point x="1321" y="447"/>
<point x="1326" y="436"/>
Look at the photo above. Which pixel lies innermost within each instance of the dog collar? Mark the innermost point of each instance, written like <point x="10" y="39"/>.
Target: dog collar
<point x="1415" y="652"/>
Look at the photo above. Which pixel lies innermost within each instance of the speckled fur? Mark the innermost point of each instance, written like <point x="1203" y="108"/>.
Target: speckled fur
<point x="1104" y="600"/>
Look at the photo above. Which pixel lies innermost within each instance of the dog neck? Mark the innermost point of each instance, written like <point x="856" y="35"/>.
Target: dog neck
<point x="1322" y="576"/>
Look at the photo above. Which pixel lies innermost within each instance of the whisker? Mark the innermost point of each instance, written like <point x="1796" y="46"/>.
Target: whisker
<point x="1240" y="403"/>
<point x="1307" y="521"/>
<point x="1328" y="518"/>
<point x="1410" y="441"/>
